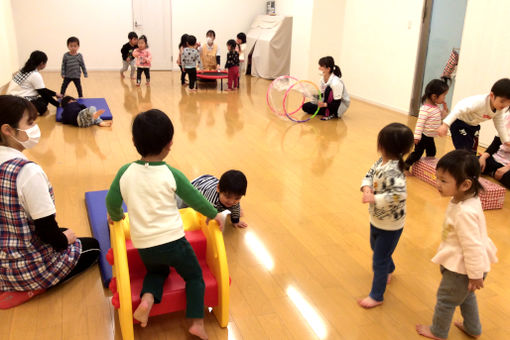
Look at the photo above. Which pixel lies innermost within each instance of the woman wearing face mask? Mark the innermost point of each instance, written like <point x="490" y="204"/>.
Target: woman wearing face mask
<point x="210" y="53"/>
<point x="35" y="254"/>
<point x="335" y="99"/>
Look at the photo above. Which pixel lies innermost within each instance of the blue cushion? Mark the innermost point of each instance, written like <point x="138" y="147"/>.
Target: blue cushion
<point x="99" y="103"/>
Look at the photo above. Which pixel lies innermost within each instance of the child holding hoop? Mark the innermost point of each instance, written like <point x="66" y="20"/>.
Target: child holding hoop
<point x="335" y="97"/>
<point x="384" y="188"/>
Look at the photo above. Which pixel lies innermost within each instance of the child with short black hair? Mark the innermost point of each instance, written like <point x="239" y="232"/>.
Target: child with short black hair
<point x="149" y="187"/>
<point x="232" y="65"/>
<point x="225" y="194"/>
<point x="429" y="120"/>
<point x="465" y="118"/>
<point x="189" y="59"/>
<point x="143" y="61"/>
<point x="466" y="251"/>
<point x="241" y="48"/>
<point x="127" y="54"/>
<point x="384" y="188"/>
<point x="80" y="115"/>
<point x="72" y="65"/>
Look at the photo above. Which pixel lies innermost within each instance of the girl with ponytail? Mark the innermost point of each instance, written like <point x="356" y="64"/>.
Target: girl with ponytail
<point x="28" y="83"/>
<point x="335" y="99"/>
<point x="384" y="188"/>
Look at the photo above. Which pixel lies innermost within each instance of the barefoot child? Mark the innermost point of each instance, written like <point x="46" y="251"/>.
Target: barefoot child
<point x="148" y="187"/>
<point x="384" y="187"/>
<point x="466" y="251"/>
<point x="79" y="115"/>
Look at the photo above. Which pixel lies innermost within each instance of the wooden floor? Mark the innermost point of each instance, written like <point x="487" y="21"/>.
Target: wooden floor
<point x="303" y="204"/>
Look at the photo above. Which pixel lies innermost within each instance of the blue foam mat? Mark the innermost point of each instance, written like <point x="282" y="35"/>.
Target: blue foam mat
<point x="99" y="103"/>
<point x="96" y="209"/>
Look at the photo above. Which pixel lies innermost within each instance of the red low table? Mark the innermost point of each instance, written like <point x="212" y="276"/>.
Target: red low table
<point x="212" y="74"/>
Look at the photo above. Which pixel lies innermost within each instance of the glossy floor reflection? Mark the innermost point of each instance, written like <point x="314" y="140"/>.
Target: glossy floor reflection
<point x="312" y="257"/>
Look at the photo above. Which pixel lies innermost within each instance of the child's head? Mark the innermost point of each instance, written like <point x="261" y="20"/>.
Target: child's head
<point x="73" y="44"/>
<point x="394" y="141"/>
<point x="152" y="133"/>
<point x="142" y="42"/>
<point x="231" y="45"/>
<point x="500" y="94"/>
<point x="435" y="91"/>
<point x="327" y="66"/>
<point x="16" y="113"/>
<point x="210" y="35"/>
<point x="66" y="100"/>
<point x="192" y="40"/>
<point x="232" y="187"/>
<point x="37" y="60"/>
<point x="241" y="38"/>
<point x="457" y="174"/>
<point x="133" y="38"/>
<point x="184" y="40"/>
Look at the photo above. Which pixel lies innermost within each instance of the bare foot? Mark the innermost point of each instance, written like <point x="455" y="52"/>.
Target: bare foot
<point x="198" y="329"/>
<point x="144" y="308"/>
<point x="460" y="326"/>
<point x="424" y="330"/>
<point x="368" y="302"/>
<point x="389" y="279"/>
<point x="229" y="89"/>
<point x="133" y="78"/>
<point x="106" y="123"/>
<point x="122" y="75"/>
<point x="407" y="173"/>
<point x="148" y="84"/>
<point x="98" y="114"/>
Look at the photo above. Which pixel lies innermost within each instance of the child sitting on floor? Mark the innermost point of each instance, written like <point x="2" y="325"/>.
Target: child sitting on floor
<point x="79" y="115"/>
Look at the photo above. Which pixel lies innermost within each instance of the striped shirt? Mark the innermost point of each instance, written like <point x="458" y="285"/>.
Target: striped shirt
<point x="429" y="120"/>
<point x="207" y="185"/>
<point x="71" y="65"/>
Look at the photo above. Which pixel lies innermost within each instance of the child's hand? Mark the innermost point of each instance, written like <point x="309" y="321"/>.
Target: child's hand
<point x="507" y="144"/>
<point x="443" y="130"/>
<point x="322" y="104"/>
<point x="71" y="236"/>
<point x="218" y="218"/>
<point x="445" y="107"/>
<point x="500" y="172"/>
<point x="475" y="284"/>
<point x="240" y="224"/>
<point x="416" y="141"/>
<point x="368" y="197"/>
<point x="59" y="95"/>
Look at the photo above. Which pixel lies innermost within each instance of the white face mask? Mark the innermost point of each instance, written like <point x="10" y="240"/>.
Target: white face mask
<point x="34" y="134"/>
<point x="209" y="40"/>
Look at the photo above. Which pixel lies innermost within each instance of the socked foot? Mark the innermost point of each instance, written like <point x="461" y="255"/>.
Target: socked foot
<point x="98" y="113"/>
<point x="460" y="326"/>
<point x="143" y="310"/>
<point x="198" y="329"/>
<point x="424" y="330"/>
<point x="368" y="302"/>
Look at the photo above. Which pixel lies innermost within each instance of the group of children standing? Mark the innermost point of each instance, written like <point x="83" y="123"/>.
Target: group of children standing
<point x="207" y="57"/>
<point x="466" y="252"/>
<point x="137" y="55"/>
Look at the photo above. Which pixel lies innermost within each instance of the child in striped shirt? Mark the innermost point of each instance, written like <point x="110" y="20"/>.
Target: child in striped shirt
<point x="429" y="120"/>
<point x="224" y="194"/>
<point x="72" y="65"/>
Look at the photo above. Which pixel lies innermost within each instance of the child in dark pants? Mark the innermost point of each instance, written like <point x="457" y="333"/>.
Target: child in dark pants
<point x="148" y="187"/>
<point x="232" y="65"/>
<point x="80" y="115"/>
<point x="384" y="187"/>
<point x="189" y="59"/>
<point x="429" y="120"/>
<point x="72" y="65"/>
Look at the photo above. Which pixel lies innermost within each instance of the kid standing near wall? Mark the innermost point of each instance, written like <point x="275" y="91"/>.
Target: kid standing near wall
<point x="143" y="61"/>
<point x="466" y="251"/>
<point x="72" y="65"/>
<point x="241" y="48"/>
<point x="127" y="55"/>
<point x="384" y="188"/>
<point x="232" y="65"/>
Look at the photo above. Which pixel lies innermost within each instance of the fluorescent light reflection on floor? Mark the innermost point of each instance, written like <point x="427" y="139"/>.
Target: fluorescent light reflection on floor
<point x="308" y="312"/>
<point x="231" y="335"/>
<point x="258" y="249"/>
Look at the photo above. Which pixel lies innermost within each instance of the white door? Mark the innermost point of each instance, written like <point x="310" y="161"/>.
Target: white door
<point x="152" y="19"/>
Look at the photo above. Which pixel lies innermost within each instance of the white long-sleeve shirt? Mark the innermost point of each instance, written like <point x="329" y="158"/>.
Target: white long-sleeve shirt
<point x="476" y="109"/>
<point x="466" y="248"/>
<point x="390" y="193"/>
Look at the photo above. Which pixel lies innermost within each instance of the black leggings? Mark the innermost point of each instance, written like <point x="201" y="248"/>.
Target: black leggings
<point x="147" y="73"/>
<point x="425" y="144"/>
<point x="89" y="255"/>
<point x="491" y="165"/>
<point x="77" y="83"/>
<point x="41" y="103"/>
<point x="183" y="75"/>
<point x="327" y="97"/>
<point x="192" y="76"/>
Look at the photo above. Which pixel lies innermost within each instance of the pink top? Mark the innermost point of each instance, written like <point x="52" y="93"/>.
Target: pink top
<point x="466" y="248"/>
<point x="143" y="57"/>
<point x="429" y="120"/>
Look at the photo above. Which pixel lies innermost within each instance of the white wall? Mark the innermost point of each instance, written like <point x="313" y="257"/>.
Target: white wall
<point x="102" y="27"/>
<point x="484" y="54"/>
<point x="225" y="17"/>
<point x="8" y="46"/>
<point x="379" y="49"/>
